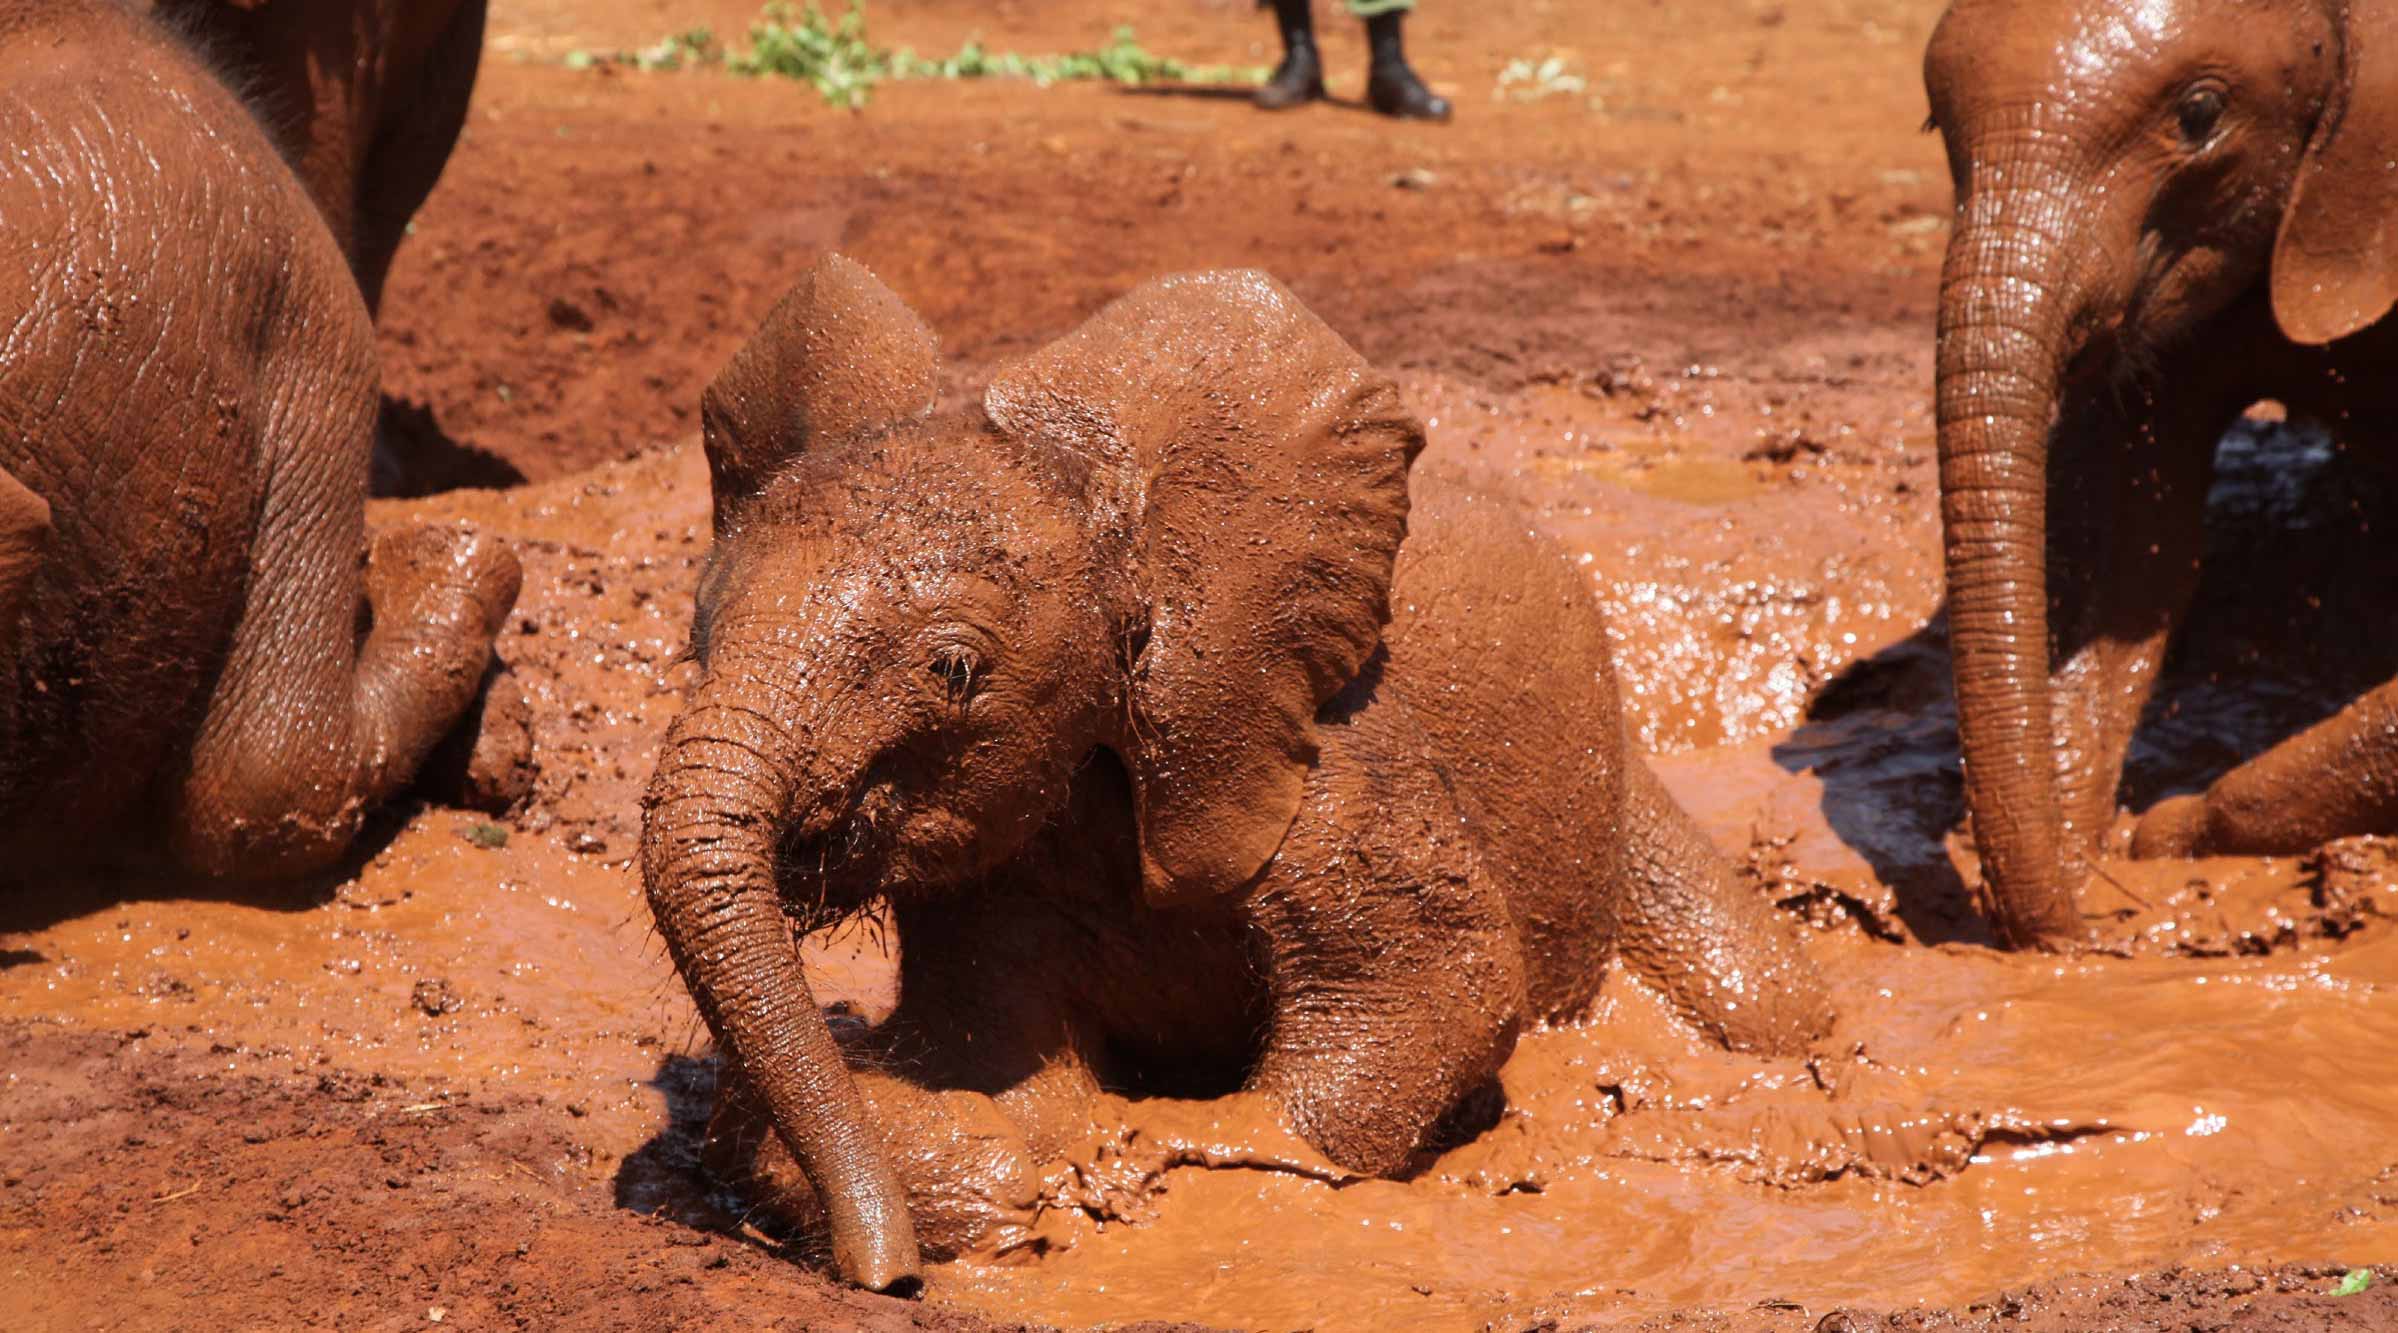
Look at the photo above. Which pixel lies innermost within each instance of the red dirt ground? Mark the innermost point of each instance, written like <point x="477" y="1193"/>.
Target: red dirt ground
<point x="1684" y="310"/>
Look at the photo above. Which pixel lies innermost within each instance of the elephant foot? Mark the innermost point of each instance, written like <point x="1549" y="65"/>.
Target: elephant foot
<point x="1247" y="1130"/>
<point x="970" y="1177"/>
<point x="1115" y="1175"/>
<point x="2173" y="827"/>
<point x="486" y="762"/>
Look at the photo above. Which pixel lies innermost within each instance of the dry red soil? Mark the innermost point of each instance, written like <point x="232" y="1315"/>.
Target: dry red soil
<point x="1685" y="311"/>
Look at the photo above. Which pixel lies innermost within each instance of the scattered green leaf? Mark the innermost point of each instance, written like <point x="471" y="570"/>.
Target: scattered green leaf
<point x="2354" y="1281"/>
<point x="490" y="837"/>
<point x="837" y="59"/>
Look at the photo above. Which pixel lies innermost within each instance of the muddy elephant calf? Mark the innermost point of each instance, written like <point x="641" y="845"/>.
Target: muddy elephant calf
<point x="188" y="643"/>
<point x="1095" y="690"/>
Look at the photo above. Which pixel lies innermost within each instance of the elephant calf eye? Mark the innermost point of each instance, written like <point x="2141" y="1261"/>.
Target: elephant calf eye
<point x="2199" y="110"/>
<point x="956" y="669"/>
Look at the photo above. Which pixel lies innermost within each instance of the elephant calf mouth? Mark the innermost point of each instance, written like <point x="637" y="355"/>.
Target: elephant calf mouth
<point x="871" y="849"/>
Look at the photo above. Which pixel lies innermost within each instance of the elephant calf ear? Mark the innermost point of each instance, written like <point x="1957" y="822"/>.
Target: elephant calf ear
<point x="839" y="354"/>
<point x="1255" y="474"/>
<point x="2335" y="263"/>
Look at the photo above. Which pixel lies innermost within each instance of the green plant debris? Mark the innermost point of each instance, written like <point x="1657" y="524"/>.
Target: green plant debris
<point x="2353" y="1281"/>
<point x="490" y="837"/>
<point x="836" y="58"/>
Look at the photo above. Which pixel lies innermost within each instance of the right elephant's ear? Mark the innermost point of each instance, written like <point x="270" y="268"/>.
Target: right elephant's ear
<point x="1254" y="478"/>
<point x="839" y="354"/>
<point x="2335" y="263"/>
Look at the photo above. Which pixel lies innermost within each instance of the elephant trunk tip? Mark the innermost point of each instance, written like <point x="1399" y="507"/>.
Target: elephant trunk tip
<point x="878" y="1253"/>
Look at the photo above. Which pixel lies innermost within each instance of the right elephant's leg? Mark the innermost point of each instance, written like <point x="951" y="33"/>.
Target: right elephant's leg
<point x="1723" y="957"/>
<point x="2336" y="779"/>
<point x="2127" y="529"/>
<point x="309" y="726"/>
<point x="1395" y="974"/>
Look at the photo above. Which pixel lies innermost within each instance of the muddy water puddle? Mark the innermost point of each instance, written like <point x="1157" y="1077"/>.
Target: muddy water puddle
<point x="1976" y="1122"/>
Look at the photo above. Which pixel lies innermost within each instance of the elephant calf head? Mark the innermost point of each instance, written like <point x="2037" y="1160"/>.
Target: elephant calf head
<point x="1169" y="535"/>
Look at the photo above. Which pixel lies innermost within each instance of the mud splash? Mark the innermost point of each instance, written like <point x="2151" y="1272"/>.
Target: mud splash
<point x="1977" y="1120"/>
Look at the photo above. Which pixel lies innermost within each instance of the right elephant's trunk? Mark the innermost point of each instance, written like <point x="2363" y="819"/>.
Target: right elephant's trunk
<point x="715" y="814"/>
<point x="2005" y="312"/>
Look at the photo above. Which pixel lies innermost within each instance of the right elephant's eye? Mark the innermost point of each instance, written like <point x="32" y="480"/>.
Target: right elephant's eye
<point x="956" y="669"/>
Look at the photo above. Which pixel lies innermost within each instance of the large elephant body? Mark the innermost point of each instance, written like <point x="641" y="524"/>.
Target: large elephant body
<point x="2165" y="212"/>
<point x="1098" y="694"/>
<point x="187" y="400"/>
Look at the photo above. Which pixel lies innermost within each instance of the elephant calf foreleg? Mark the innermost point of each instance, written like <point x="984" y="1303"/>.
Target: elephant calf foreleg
<point x="1396" y="972"/>
<point x="970" y="1174"/>
<point x="1720" y="954"/>
<point x="309" y="727"/>
<point x="2336" y="779"/>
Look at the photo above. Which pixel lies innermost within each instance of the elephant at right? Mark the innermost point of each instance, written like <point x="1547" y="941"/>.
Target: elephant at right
<point x="2166" y="211"/>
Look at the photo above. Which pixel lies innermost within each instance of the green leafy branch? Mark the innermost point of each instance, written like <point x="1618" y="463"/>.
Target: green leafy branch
<point x="836" y="57"/>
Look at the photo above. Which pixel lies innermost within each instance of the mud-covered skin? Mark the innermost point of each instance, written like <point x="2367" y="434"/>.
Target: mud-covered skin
<point x="188" y="386"/>
<point x="2163" y="214"/>
<point x="1097" y="692"/>
<point x="365" y="98"/>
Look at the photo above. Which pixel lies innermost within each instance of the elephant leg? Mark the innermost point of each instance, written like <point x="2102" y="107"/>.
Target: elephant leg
<point x="973" y="1085"/>
<point x="420" y="126"/>
<point x="2127" y="531"/>
<point x="24" y="540"/>
<point x="968" y="1169"/>
<point x="310" y="724"/>
<point x="2336" y="779"/>
<point x="1722" y="956"/>
<point x="1395" y="972"/>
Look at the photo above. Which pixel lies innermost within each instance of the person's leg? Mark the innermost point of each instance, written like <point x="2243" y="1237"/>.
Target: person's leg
<point x="1300" y="77"/>
<point x="1392" y="88"/>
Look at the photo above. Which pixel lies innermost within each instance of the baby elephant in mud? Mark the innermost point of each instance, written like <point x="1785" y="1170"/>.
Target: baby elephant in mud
<point x="189" y="647"/>
<point x="1181" y="775"/>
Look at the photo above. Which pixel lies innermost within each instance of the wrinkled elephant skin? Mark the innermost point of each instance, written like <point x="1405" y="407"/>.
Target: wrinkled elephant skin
<point x="189" y="646"/>
<point x="1192" y="762"/>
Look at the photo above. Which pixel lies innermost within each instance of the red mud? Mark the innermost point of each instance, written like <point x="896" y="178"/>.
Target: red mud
<point x="1685" y="312"/>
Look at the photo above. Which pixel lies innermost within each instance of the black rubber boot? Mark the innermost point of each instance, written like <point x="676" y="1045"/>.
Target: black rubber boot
<point x="1392" y="88"/>
<point x="1300" y="77"/>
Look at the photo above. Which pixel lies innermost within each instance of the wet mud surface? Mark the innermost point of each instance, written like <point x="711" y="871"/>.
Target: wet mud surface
<point x="1683" y="314"/>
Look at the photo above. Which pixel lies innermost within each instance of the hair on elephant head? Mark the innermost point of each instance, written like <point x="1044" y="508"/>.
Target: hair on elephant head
<point x="2160" y="207"/>
<point x="1168" y="535"/>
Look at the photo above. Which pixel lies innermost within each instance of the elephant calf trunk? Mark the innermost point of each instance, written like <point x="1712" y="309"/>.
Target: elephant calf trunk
<point x="2004" y="320"/>
<point x="716" y="813"/>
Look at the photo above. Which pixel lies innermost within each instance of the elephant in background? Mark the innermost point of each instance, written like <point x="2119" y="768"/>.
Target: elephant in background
<point x="1182" y="775"/>
<point x="364" y="97"/>
<point x="190" y="652"/>
<point x="2165" y="212"/>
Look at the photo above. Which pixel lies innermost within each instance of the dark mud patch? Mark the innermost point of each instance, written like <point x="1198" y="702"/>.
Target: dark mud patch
<point x="146" y="1180"/>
